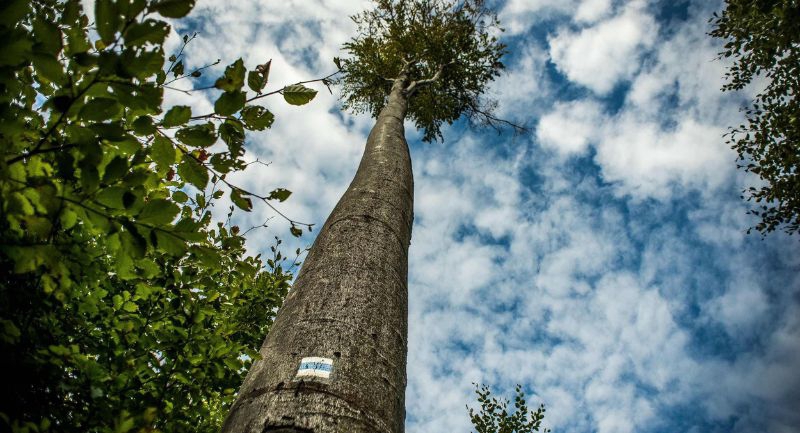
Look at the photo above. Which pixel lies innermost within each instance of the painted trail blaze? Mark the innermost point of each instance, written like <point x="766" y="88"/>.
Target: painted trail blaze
<point x="314" y="366"/>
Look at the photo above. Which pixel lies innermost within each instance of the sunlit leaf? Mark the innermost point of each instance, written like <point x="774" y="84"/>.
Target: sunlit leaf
<point x="193" y="172"/>
<point x="176" y="116"/>
<point x="298" y="94"/>
<point x="257" y="118"/>
<point x="203" y="135"/>
<point x="233" y="79"/>
<point x="158" y="212"/>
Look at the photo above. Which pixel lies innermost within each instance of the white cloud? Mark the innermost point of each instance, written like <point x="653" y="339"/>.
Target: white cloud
<point x="692" y="82"/>
<point x="740" y="308"/>
<point x="518" y="16"/>
<point x="648" y="160"/>
<point x="522" y="85"/>
<point x="571" y="127"/>
<point x="600" y="56"/>
<point x="590" y="11"/>
<point x="640" y="154"/>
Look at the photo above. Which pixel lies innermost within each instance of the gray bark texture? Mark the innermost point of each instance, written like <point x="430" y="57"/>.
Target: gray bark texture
<point x="349" y="303"/>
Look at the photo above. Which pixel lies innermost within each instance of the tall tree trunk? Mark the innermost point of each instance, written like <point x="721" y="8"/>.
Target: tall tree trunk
<point x="349" y="303"/>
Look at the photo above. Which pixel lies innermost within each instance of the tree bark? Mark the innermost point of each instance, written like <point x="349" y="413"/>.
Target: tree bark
<point x="349" y="303"/>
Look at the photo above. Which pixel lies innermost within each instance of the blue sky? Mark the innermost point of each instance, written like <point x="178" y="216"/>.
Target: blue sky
<point x="601" y="261"/>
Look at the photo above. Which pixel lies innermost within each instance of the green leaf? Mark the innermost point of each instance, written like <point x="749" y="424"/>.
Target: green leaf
<point x="280" y="194"/>
<point x="147" y="31"/>
<point x="177" y="70"/>
<point x="232" y="132"/>
<point x="48" y="67"/>
<point x="221" y="163"/>
<point x="173" y="8"/>
<point x="257" y="118"/>
<point x="298" y="94"/>
<point x="113" y="132"/>
<point x="239" y="199"/>
<point x="208" y="257"/>
<point x="99" y="109"/>
<point x="77" y="40"/>
<point x="132" y="242"/>
<point x="191" y="171"/>
<point x="229" y="103"/>
<point x="233" y="79"/>
<point x="115" y="169"/>
<point x="111" y="197"/>
<point x="177" y="115"/>
<point x="170" y="243"/>
<point x="47" y="34"/>
<point x="106" y="18"/>
<point x="12" y="10"/>
<point x="142" y="63"/>
<point x="197" y="135"/>
<point x="68" y="218"/>
<point x="158" y="212"/>
<point x="255" y="81"/>
<point x="180" y="196"/>
<point x="162" y="152"/>
<point x="143" y="125"/>
<point x="16" y="50"/>
<point x="129" y="199"/>
<point x="89" y="179"/>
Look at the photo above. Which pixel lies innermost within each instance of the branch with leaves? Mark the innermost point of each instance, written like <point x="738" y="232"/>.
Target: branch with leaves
<point x="762" y="38"/>
<point x="494" y="415"/>
<point x="123" y="306"/>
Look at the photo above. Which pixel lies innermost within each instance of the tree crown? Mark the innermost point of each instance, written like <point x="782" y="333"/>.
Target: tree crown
<point x="447" y="51"/>
<point x="763" y="39"/>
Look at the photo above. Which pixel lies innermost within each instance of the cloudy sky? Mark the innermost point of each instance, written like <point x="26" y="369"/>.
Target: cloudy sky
<point x="601" y="260"/>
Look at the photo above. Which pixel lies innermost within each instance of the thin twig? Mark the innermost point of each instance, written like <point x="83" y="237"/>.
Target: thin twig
<point x="299" y="82"/>
<point x="219" y="176"/>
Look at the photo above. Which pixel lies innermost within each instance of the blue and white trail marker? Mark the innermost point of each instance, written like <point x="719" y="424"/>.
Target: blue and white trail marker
<point x="317" y="367"/>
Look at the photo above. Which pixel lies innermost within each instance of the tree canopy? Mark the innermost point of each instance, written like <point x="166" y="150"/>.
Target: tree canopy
<point x="123" y="305"/>
<point x="763" y="39"/>
<point x="448" y="50"/>
<point x="494" y="415"/>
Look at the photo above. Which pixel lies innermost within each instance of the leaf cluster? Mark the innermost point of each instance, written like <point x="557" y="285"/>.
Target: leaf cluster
<point x="494" y="415"/>
<point x="763" y="39"/>
<point x="445" y="52"/>
<point x="123" y="307"/>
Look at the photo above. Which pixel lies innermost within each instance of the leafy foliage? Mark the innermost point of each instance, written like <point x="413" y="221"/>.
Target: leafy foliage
<point x="123" y="307"/>
<point x="763" y="38"/>
<point x="495" y="418"/>
<point x="445" y="51"/>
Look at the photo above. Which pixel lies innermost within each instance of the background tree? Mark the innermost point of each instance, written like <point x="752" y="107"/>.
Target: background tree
<point x="429" y="61"/>
<point x="495" y="417"/>
<point x="763" y="38"/>
<point x="123" y="307"/>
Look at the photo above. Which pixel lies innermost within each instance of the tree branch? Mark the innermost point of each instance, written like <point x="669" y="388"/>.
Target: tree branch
<point x="264" y="199"/>
<point x="487" y="118"/>
<point x="323" y="79"/>
<point x="416" y="84"/>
